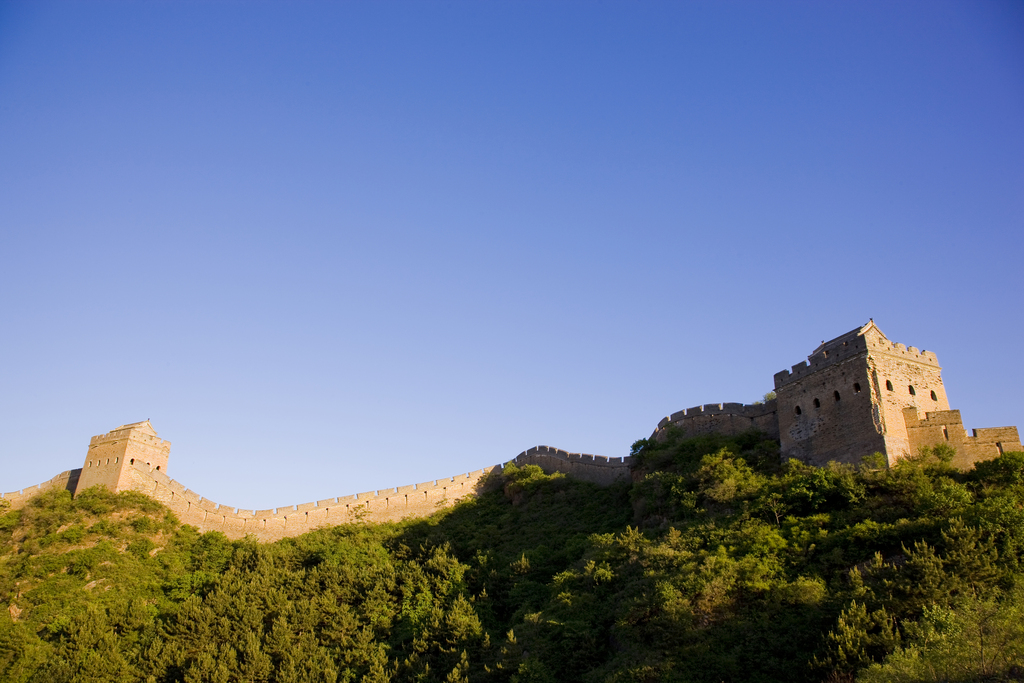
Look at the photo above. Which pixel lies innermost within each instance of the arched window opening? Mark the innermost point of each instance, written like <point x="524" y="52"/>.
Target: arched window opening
<point x="934" y="397"/>
<point x="90" y="463"/>
<point x="836" y="394"/>
<point x="856" y="388"/>
<point x="817" y="403"/>
<point x="132" y="461"/>
<point x="115" y="461"/>
<point x="888" y="385"/>
<point x="912" y="391"/>
<point x="797" y="410"/>
<point x="158" y="468"/>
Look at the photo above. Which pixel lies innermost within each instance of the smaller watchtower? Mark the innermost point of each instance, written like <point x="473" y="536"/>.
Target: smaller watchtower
<point x="113" y="456"/>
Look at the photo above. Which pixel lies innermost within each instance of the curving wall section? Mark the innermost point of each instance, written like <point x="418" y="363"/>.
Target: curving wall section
<point x="385" y="505"/>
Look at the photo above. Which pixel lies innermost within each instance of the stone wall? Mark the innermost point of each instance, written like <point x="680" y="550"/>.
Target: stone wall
<point x="67" y="480"/>
<point x="597" y="469"/>
<point x="730" y="419"/>
<point x="903" y="377"/>
<point x="946" y="427"/>
<point x="829" y="414"/>
<point x="385" y="505"/>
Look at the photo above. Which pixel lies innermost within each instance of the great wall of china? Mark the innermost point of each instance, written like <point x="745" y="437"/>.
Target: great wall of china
<point x="857" y="394"/>
<point x="385" y="505"/>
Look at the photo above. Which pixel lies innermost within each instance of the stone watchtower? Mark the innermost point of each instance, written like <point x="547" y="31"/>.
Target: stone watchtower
<point x="112" y="456"/>
<point x="861" y="393"/>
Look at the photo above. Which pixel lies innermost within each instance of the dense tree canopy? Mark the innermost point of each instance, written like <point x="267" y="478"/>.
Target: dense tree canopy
<point x="717" y="563"/>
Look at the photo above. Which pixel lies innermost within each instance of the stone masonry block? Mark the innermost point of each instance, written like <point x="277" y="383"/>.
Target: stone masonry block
<point x="296" y="520"/>
<point x="315" y="517"/>
<point x="997" y="434"/>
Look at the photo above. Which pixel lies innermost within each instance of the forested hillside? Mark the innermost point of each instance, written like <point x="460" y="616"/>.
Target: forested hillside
<point x="719" y="563"/>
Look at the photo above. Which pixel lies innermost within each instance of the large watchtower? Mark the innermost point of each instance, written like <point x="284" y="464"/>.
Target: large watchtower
<point x="861" y="393"/>
<point x="112" y="456"/>
<point x="848" y="399"/>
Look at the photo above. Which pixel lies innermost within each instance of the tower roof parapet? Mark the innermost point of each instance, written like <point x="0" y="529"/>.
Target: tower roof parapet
<point x="137" y="429"/>
<point x="858" y="341"/>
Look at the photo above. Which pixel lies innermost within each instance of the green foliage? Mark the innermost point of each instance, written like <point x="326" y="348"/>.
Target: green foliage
<point x="717" y="562"/>
<point x="972" y="639"/>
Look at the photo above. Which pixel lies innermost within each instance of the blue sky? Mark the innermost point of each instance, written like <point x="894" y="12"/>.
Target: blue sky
<point x="334" y="247"/>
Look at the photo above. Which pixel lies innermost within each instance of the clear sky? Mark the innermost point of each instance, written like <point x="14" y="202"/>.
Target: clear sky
<point x="334" y="247"/>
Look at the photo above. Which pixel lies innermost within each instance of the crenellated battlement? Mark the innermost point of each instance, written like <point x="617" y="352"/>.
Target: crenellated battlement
<point x="853" y="344"/>
<point x="752" y="410"/>
<point x="824" y="356"/>
<point x="721" y="418"/>
<point x="947" y="427"/>
<point x="596" y="460"/>
<point x="908" y="352"/>
<point x="67" y="479"/>
<point x="137" y="431"/>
